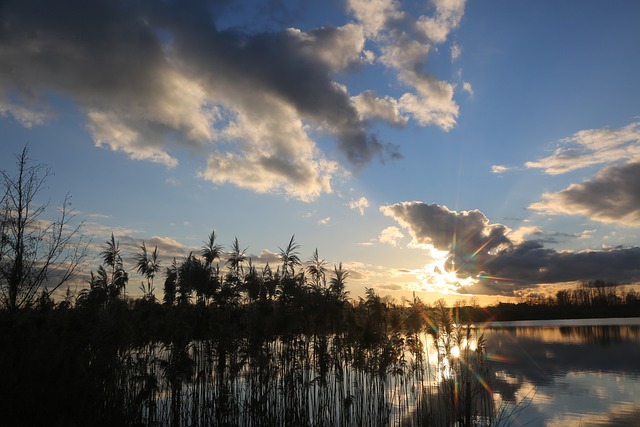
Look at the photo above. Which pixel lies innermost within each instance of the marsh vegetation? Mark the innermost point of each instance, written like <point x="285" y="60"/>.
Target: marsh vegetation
<point x="262" y="364"/>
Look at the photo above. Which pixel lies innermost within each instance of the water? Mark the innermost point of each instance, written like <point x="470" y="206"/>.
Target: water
<point x="567" y="372"/>
<point x="549" y="373"/>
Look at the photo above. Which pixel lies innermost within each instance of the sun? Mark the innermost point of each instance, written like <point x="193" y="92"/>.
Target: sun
<point x="438" y="276"/>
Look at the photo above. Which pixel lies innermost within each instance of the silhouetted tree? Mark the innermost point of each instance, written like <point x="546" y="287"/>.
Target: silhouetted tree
<point x="35" y="255"/>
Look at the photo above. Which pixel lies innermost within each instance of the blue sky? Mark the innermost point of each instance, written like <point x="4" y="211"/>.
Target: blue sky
<point x="451" y="148"/>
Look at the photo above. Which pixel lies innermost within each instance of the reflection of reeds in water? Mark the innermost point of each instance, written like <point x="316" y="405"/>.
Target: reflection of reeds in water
<point x="323" y="380"/>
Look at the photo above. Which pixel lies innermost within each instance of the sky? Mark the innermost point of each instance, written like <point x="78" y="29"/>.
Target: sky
<point x="448" y="148"/>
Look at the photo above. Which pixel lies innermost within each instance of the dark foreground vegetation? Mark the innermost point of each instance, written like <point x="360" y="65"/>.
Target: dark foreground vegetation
<point x="312" y="357"/>
<point x="262" y="363"/>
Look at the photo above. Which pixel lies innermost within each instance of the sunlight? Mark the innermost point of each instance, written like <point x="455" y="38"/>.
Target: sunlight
<point x="455" y="351"/>
<point x="438" y="277"/>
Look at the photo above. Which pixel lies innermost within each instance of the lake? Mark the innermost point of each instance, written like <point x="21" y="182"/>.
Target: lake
<point x="425" y="371"/>
<point x="566" y="372"/>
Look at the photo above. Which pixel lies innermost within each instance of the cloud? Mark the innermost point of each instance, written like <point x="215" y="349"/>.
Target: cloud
<point x="531" y="263"/>
<point x="586" y="234"/>
<point x="404" y="43"/>
<point x="456" y="51"/>
<point x="612" y="196"/>
<point x="466" y="86"/>
<point x="499" y="169"/>
<point x="391" y="236"/>
<point x="372" y="106"/>
<point x="499" y="261"/>
<point x="518" y="235"/>
<point x="391" y="287"/>
<point x="592" y="147"/>
<point x="279" y="159"/>
<point x="361" y="204"/>
<point x="467" y="235"/>
<point x="266" y="257"/>
<point x="167" y="246"/>
<point x="324" y="221"/>
<point x="25" y="116"/>
<point x="153" y="78"/>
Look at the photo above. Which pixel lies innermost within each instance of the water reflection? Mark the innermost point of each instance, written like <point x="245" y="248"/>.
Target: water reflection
<point x="580" y="375"/>
<point x="568" y="375"/>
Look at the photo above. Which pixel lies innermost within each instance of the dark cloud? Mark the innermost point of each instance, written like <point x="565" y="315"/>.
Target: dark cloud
<point x="390" y="287"/>
<point x="501" y="267"/>
<point x="612" y="196"/>
<point x="533" y="263"/>
<point x="467" y="234"/>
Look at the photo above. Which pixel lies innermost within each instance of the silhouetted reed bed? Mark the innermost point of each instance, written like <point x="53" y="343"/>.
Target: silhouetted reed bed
<point x="246" y="366"/>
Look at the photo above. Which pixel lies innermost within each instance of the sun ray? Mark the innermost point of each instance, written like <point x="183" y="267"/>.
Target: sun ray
<point x="480" y="248"/>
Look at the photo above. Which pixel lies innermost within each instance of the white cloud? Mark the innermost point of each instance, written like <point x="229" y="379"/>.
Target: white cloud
<point x="370" y="105"/>
<point x="518" y="236"/>
<point x="172" y="180"/>
<point x="467" y="87"/>
<point x="391" y="236"/>
<point x="499" y="169"/>
<point x="361" y="204"/>
<point x="456" y="51"/>
<point x="324" y="221"/>
<point x="432" y="106"/>
<point x="271" y="159"/>
<point x="447" y="17"/>
<point x="405" y="43"/>
<point x="374" y="14"/>
<point x="586" y="234"/>
<point x="339" y="48"/>
<point x="24" y="115"/>
<point x="592" y="147"/>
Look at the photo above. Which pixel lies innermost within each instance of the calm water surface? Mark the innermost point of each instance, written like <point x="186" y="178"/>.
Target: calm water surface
<point x="567" y="372"/>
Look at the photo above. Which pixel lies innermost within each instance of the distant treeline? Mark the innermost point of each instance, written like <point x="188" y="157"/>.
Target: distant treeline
<point x="595" y="299"/>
